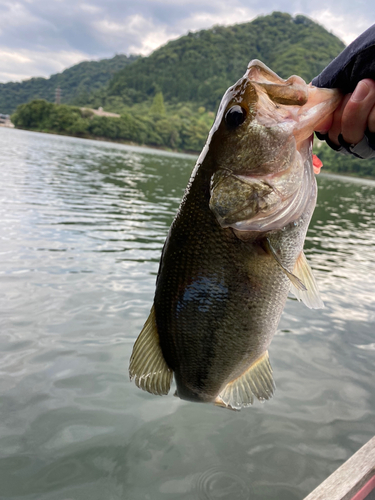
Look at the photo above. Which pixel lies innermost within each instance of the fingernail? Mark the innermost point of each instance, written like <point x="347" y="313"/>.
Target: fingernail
<point x="360" y="92"/>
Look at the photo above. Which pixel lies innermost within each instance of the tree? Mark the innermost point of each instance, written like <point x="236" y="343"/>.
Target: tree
<point x="157" y="107"/>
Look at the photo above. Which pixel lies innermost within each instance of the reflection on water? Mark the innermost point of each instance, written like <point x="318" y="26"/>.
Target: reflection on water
<point x="82" y="227"/>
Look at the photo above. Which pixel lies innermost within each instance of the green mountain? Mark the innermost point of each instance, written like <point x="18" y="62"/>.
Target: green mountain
<point x="76" y="83"/>
<point x="166" y="100"/>
<point x="200" y="66"/>
<point x="195" y="68"/>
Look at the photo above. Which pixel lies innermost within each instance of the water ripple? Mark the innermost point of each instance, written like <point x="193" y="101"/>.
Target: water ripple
<point x="82" y="224"/>
<point x="217" y="483"/>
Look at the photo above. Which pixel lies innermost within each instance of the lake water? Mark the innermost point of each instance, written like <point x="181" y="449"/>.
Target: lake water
<point x="82" y="224"/>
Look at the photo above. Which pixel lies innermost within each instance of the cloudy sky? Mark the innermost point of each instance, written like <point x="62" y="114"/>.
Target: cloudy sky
<point x="43" y="37"/>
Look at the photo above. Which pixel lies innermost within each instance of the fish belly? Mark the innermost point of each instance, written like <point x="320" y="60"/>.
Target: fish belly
<point x="221" y="315"/>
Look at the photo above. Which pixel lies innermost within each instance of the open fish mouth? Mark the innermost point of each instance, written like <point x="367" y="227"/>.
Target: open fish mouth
<point x="290" y="101"/>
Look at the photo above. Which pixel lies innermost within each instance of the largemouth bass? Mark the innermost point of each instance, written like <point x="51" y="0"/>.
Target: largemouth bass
<point x="235" y="247"/>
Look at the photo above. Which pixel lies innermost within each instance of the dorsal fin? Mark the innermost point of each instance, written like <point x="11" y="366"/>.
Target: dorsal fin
<point x="310" y="297"/>
<point x="147" y="365"/>
<point x="257" y="381"/>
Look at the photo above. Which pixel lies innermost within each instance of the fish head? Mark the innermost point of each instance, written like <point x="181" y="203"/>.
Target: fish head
<point x="260" y="149"/>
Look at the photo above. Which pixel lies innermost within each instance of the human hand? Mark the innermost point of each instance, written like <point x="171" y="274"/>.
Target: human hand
<point x="345" y="129"/>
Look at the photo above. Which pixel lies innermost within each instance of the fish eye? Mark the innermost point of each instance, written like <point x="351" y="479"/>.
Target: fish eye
<point x="235" y="116"/>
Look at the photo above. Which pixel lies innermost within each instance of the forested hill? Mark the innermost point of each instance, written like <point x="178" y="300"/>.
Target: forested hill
<point x="167" y="99"/>
<point x="195" y="68"/>
<point x="200" y="66"/>
<point x="76" y="83"/>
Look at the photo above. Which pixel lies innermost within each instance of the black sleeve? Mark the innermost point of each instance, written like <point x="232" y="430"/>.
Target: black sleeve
<point x="356" y="62"/>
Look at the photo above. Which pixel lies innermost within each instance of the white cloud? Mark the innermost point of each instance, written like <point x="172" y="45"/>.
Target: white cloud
<point x="346" y="27"/>
<point x="22" y="64"/>
<point x="152" y="36"/>
<point x="91" y="9"/>
<point x="134" y="34"/>
<point x="148" y="36"/>
<point x="203" y="20"/>
<point x="17" y="15"/>
<point x="40" y="37"/>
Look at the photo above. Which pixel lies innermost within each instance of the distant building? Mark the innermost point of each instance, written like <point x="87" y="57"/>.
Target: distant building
<point x="100" y="112"/>
<point x="5" y="121"/>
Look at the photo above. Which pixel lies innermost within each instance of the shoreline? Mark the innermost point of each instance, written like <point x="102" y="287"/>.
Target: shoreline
<point x="169" y="150"/>
<point x="346" y="174"/>
<point x="114" y="141"/>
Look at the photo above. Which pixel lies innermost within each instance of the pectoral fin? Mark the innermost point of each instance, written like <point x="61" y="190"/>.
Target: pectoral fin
<point x="310" y="297"/>
<point x="295" y="280"/>
<point x="257" y="381"/>
<point x="147" y="364"/>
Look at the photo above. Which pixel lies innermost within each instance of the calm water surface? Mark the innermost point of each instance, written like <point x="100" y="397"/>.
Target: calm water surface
<point x="82" y="224"/>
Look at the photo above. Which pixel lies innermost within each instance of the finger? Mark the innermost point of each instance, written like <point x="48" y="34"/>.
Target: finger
<point x="335" y="129"/>
<point x="357" y="111"/>
<point x="371" y="120"/>
<point x="324" y="126"/>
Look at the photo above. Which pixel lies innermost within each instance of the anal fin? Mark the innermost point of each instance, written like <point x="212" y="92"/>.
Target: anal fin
<point x="256" y="382"/>
<point x="310" y="297"/>
<point x="148" y="367"/>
